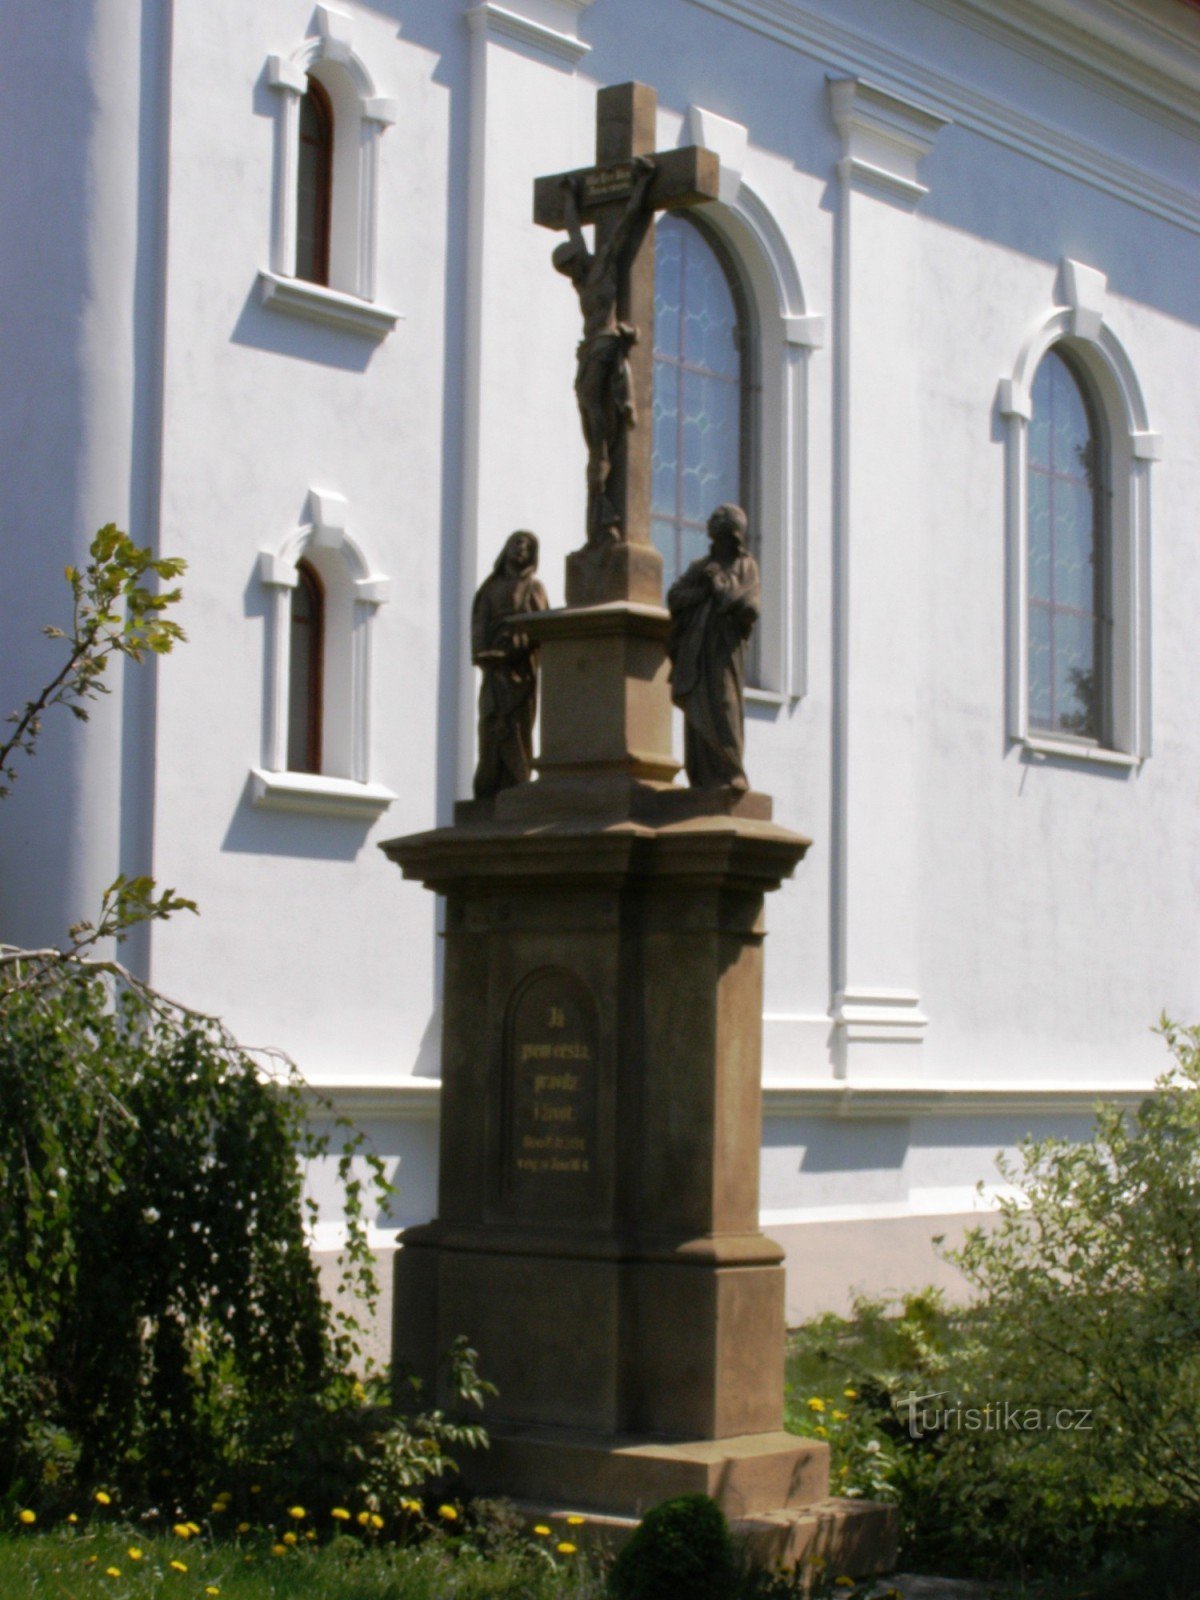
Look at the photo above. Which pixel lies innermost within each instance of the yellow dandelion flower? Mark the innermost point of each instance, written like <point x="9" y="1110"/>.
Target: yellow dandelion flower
<point x="565" y="1547"/>
<point x="363" y="1518"/>
<point x="376" y="1520"/>
<point x="72" y="1519"/>
<point x="192" y="1527"/>
<point x="179" y="1566"/>
<point x="821" y="1432"/>
<point x="449" y="1512"/>
<point x="256" y="1488"/>
<point x="219" y="1505"/>
<point x="91" y="1561"/>
<point x="112" y="1572"/>
<point x="134" y="1553"/>
<point x="243" y="1527"/>
<point x="816" y="1403"/>
<point x="27" y="1517"/>
<point x="279" y="1549"/>
<point x="182" y="1530"/>
<point x="103" y="1499"/>
<point x="850" y="1394"/>
<point x="311" y="1536"/>
<point x="211" y="1588"/>
<point x="340" y="1514"/>
<point x="289" y="1537"/>
<point x="576" y="1521"/>
<point x="542" y="1531"/>
<point x="840" y="1416"/>
<point x="298" y="1513"/>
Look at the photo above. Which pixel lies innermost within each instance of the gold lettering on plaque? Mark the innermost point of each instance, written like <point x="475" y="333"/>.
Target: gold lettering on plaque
<point x="551" y="1051"/>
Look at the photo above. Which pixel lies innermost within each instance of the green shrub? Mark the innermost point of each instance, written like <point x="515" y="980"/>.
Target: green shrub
<point x="156" y="1287"/>
<point x="1062" y="1409"/>
<point x="680" y="1551"/>
<point x="163" y="1327"/>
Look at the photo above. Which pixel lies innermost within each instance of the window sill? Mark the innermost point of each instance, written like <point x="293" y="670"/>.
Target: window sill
<point x="317" y="795"/>
<point x="1069" y="750"/>
<point x="767" y="697"/>
<point x="335" y="309"/>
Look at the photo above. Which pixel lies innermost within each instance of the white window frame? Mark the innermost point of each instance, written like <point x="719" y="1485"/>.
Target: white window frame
<point x="783" y="333"/>
<point x="360" y="116"/>
<point x="1080" y="326"/>
<point x="343" y="786"/>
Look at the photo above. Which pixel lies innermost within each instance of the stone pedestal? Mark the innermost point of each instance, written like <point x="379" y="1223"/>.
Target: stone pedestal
<point x="597" y="1234"/>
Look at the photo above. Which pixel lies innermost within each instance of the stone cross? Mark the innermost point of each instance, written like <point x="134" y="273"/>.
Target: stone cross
<point x="620" y="194"/>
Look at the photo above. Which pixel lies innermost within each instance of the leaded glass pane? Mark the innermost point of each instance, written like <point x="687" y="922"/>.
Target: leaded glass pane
<point x="1041" y="701"/>
<point x="1075" y="673"/>
<point x="699" y="388"/>
<point x="1065" y="552"/>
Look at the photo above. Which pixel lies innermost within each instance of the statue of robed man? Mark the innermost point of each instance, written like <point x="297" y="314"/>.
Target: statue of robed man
<point x="508" y="659"/>
<point x="714" y="606"/>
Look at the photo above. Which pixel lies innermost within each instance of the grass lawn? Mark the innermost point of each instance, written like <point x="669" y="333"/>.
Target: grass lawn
<point x="100" y="1562"/>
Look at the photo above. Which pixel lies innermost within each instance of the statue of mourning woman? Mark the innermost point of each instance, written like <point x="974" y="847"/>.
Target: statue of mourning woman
<point x="714" y="606"/>
<point x="508" y="660"/>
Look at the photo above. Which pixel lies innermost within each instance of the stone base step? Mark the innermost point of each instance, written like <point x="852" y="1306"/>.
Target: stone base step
<point x="850" y="1538"/>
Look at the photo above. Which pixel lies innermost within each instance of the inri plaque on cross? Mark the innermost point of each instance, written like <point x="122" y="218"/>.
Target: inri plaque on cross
<point x="614" y="379"/>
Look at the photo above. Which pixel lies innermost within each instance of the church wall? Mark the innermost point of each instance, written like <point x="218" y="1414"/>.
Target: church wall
<point x="1038" y="914"/>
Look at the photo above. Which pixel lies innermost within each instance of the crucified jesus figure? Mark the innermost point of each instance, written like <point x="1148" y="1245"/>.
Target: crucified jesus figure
<point x="603" y="381"/>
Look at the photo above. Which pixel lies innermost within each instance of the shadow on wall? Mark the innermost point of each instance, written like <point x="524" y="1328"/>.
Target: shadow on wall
<point x="261" y="832"/>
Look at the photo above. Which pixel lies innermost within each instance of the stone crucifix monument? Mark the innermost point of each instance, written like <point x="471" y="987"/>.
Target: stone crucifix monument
<point x="597" y="1235"/>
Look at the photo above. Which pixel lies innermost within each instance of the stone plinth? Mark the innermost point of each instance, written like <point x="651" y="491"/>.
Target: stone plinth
<point x="597" y="1237"/>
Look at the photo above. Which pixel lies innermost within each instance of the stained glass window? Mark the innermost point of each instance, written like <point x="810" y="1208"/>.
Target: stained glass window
<point x="701" y="414"/>
<point x="1069" y="625"/>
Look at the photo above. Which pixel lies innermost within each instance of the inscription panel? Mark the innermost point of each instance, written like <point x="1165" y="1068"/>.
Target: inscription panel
<point x="551" y="1049"/>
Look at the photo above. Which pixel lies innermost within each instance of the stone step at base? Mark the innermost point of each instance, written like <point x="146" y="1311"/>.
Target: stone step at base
<point x="850" y="1538"/>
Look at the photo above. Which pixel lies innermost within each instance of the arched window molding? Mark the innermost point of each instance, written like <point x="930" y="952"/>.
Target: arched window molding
<point x="360" y="116"/>
<point x="783" y="332"/>
<point x="352" y="595"/>
<point x="1081" y="329"/>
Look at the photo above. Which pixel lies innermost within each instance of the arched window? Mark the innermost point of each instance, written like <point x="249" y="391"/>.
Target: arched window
<point x="1070" y="620"/>
<point x="701" y="392"/>
<point x="314" y="184"/>
<point x="305" y="671"/>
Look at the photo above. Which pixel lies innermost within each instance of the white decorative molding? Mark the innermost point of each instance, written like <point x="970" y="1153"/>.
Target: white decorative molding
<point x="786" y="331"/>
<point x="360" y="116"/>
<point x="315" y="303"/>
<point x="845" y="50"/>
<point x="808" y="332"/>
<point x="420" y="1097"/>
<point x="353" y="593"/>
<point x="888" y="1016"/>
<point x="1085" y="290"/>
<point x="318" y="795"/>
<point x="1117" y="47"/>
<point x="727" y="140"/>
<point x="336" y="29"/>
<point x="884" y="138"/>
<point x="1012" y="1097"/>
<point x="1041" y="746"/>
<point x="549" y="25"/>
<point x="1133" y="446"/>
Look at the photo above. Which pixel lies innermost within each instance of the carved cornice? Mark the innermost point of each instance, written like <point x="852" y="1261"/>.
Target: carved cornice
<point x="548" y="25"/>
<point x="1173" y="101"/>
